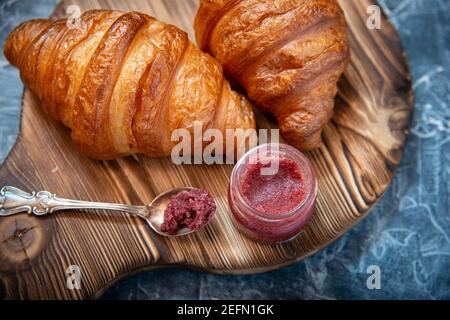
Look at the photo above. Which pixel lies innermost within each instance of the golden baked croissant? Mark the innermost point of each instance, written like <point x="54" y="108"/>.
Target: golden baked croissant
<point x="124" y="81"/>
<point x="287" y="54"/>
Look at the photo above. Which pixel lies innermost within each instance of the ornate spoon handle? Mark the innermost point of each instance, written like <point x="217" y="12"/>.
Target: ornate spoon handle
<point x="14" y="200"/>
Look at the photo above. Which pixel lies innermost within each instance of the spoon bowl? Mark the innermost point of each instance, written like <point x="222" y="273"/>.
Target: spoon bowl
<point x="156" y="208"/>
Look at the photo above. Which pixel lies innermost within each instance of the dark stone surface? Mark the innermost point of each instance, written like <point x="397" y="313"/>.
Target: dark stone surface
<point x="407" y="235"/>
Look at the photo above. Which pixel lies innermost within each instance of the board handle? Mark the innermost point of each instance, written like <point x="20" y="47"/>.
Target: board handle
<point x="14" y="200"/>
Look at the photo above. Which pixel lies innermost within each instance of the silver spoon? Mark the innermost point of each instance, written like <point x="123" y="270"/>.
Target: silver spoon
<point x="14" y="200"/>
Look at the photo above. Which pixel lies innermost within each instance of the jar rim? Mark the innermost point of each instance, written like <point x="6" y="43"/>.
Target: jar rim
<point x="291" y="153"/>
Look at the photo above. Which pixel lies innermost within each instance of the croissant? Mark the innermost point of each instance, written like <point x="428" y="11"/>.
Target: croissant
<point x="287" y="54"/>
<point x="124" y="81"/>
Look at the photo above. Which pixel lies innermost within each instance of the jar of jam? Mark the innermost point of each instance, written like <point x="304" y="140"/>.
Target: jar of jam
<point x="272" y="193"/>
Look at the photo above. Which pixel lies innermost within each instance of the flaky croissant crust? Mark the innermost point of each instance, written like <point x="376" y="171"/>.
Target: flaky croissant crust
<point x="287" y="54"/>
<point x="123" y="82"/>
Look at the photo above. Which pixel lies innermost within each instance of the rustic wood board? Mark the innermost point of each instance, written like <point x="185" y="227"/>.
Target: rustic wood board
<point x="363" y="146"/>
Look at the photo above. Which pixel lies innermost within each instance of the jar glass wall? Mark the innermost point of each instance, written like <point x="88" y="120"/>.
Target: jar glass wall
<point x="274" y="205"/>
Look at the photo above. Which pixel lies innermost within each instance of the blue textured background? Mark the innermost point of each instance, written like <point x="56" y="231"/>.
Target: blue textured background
<point x="407" y="235"/>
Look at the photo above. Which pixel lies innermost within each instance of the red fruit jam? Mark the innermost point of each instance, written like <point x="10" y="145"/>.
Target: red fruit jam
<point x="272" y="193"/>
<point x="188" y="209"/>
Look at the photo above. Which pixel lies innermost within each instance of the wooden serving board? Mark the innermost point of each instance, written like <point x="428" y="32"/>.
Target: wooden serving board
<point x="362" y="147"/>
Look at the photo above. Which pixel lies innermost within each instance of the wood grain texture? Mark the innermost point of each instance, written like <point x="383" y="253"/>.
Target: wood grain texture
<point x="363" y="145"/>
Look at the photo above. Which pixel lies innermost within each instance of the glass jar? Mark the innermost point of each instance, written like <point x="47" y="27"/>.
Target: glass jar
<point x="260" y="224"/>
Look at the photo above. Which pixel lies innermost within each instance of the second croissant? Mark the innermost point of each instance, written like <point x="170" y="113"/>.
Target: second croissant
<point x="287" y="54"/>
